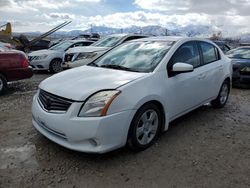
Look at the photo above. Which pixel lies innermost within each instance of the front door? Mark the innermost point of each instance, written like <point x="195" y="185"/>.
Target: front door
<point x="184" y="89"/>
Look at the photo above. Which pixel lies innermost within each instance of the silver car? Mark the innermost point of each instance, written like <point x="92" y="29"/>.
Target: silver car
<point x="51" y="59"/>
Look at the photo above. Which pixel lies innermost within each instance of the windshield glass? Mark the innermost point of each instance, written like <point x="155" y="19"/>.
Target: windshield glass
<point x="108" y="41"/>
<point x="140" y="56"/>
<point x="241" y="53"/>
<point x="62" y="46"/>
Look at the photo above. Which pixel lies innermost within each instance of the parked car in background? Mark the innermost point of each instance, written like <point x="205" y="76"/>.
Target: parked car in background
<point x="130" y="94"/>
<point x="40" y="45"/>
<point x="51" y="58"/>
<point x="14" y="65"/>
<point x="5" y="46"/>
<point x="92" y="37"/>
<point x="223" y="45"/>
<point x="83" y="55"/>
<point x="241" y="66"/>
<point x="244" y="44"/>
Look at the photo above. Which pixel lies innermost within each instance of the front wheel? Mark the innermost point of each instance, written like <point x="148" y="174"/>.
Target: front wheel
<point x="55" y="66"/>
<point x="222" y="98"/>
<point x="3" y="84"/>
<point x="145" y="127"/>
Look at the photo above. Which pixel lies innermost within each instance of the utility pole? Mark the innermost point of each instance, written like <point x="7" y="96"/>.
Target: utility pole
<point x="166" y="32"/>
<point x="91" y="28"/>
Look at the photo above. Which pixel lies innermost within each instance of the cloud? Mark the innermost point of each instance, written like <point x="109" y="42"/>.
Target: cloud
<point x="11" y="6"/>
<point x="89" y="1"/>
<point x="212" y="7"/>
<point x="63" y="16"/>
<point x="228" y="16"/>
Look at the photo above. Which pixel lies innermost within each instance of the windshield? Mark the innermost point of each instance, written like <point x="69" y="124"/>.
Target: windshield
<point x="62" y="46"/>
<point x="108" y="41"/>
<point x="140" y="56"/>
<point x="241" y="53"/>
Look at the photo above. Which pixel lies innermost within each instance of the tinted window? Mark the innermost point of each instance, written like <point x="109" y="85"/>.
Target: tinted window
<point x="209" y="52"/>
<point x="81" y="44"/>
<point x="133" y="38"/>
<point x="62" y="46"/>
<point x="187" y="53"/>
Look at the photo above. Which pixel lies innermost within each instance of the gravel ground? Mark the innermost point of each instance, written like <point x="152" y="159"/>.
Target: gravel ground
<point x="206" y="148"/>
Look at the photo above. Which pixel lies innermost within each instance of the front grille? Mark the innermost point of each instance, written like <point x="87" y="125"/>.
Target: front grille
<point x="235" y="68"/>
<point x="31" y="58"/>
<point x="53" y="103"/>
<point x="68" y="57"/>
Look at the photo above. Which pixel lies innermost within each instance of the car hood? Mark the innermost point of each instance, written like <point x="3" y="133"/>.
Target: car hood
<point x="79" y="83"/>
<point x="86" y="49"/>
<point x="44" y="52"/>
<point x="240" y="61"/>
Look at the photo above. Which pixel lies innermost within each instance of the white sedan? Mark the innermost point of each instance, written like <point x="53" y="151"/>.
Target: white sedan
<point x="51" y="59"/>
<point x="130" y="95"/>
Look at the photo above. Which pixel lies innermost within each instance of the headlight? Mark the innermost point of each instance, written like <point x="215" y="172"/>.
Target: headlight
<point x="245" y="69"/>
<point x="41" y="57"/>
<point x="98" y="104"/>
<point x="87" y="55"/>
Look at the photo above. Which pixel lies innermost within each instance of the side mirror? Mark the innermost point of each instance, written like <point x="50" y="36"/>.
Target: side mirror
<point x="182" y="68"/>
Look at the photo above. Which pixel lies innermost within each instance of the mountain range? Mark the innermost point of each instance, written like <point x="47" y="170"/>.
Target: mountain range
<point x="173" y="29"/>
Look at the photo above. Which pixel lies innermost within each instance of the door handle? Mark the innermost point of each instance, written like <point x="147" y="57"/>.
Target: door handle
<point x="202" y="76"/>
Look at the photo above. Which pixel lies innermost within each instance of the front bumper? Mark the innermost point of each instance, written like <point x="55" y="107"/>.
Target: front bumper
<point x="77" y="63"/>
<point x="19" y="74"/>
<point x="85" y="134"/>
<point x="40" y="64"/>
<point x="240" y="76"/>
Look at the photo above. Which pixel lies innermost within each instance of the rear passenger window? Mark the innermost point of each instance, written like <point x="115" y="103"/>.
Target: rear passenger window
<point x="209" y="52"/>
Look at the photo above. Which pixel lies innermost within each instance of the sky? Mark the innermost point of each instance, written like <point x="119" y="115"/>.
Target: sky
<point x="231" y="17"/>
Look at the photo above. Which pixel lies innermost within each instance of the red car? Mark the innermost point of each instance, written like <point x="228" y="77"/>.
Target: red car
<point x="14" y="65"/>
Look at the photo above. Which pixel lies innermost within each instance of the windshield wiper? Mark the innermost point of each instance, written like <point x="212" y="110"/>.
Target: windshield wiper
<point x="93" y="64"/>
<point x="119" y="67"/>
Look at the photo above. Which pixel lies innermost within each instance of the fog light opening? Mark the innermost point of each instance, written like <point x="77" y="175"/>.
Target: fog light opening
<point x="94" y="142"/>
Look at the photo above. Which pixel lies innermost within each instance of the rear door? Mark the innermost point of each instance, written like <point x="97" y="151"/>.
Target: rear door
<point x="211" y="69"/>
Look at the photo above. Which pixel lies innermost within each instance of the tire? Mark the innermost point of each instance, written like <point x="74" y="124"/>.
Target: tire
<point x="145" y="127"/>
<point x="222" y="98"/>
<point x="3" y="84"/>
<point x="55" y="66"/>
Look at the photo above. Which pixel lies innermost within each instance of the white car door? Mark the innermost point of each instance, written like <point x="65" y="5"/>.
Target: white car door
<point x="211" y="70"/>
<point x="184" y="90"/>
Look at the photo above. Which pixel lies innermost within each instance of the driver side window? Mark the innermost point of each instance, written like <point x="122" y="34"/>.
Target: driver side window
<point x="187" y="53"/>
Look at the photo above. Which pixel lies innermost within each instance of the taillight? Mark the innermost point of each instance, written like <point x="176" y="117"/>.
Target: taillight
<point x="25" y="63"/>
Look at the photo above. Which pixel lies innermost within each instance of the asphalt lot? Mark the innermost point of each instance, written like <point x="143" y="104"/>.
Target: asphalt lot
<point x="206" y="148"/>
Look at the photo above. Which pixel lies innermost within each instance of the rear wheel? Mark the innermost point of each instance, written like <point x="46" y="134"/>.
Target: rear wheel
<point x="55" y="66"/>
<point x="222" y="98"/>
<point x="3" y="84"/>
<point x="145" y="127"/>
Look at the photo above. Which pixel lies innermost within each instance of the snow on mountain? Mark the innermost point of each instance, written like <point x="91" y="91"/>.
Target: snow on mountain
<point x="172" y="29"/>
<point x="190" y="30"/>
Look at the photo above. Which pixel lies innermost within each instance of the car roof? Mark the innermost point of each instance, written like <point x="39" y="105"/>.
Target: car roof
<point x="79" y="40"/>
<point x="125" y="35"/>
<point x="244" y="46"/>
<point x="219" y="41"/>
<point x="173" y="39"/>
